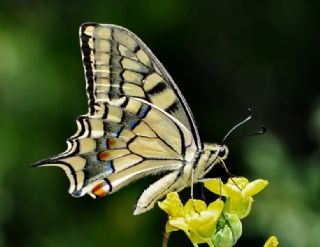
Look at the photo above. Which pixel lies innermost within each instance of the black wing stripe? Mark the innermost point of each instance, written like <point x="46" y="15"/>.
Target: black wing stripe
<point x="87" y="64"/>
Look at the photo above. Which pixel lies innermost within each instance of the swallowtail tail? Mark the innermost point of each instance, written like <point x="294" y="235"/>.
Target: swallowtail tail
<point x="138" y="123"/>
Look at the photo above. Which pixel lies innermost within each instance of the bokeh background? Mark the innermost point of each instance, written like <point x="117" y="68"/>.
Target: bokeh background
<point x="225" y="56"/>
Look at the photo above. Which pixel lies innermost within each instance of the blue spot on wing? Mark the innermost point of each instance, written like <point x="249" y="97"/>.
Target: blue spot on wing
<point x="116" y="132"/>
<point x="133" y="123"/>
<point x="143" y="111"/>
<point x="109" y="167"/>
<point x="105" y="143"/>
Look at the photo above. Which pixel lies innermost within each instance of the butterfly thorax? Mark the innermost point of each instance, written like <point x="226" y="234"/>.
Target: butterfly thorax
<point x="211" y="155"/>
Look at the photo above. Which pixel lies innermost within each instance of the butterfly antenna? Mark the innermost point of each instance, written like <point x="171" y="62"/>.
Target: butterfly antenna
<point x="237" y="125"/>
<point x="262" y="130"/>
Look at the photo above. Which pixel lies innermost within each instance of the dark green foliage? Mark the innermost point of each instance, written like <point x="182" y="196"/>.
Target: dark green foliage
<point x="225" y="56"/>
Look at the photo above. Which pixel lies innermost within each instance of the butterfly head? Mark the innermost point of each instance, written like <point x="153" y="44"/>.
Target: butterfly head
<point x="222" y="151"/>
<point x="216" y="152"/>
<point x="212" y="155"/>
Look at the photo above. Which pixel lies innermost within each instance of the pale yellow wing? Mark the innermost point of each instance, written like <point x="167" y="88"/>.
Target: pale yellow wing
<point x="118" y="145"/>
<point x="138" y="121"/>
<point x="119" y="65"/>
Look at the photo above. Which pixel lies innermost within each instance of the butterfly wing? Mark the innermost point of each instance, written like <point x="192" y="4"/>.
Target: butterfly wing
<point x="138" y="121"/>
<point x="119" y="65"/>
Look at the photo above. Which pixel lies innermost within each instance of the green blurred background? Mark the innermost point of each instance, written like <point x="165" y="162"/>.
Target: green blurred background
<point x="225" y="56"/>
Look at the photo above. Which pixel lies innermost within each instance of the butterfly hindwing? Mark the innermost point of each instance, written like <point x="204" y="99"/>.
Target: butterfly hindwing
<point x="121" y="144"/>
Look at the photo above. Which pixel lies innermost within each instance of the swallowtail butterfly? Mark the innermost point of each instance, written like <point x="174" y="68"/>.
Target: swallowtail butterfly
<point x="138" y="123"/>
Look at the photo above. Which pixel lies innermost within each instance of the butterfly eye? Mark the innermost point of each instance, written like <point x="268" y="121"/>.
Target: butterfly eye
<point x="222" y="152"/>
<point x="101" y="189"/>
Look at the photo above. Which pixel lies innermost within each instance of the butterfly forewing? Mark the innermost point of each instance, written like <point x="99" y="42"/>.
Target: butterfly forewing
<point x="119" y="65"/>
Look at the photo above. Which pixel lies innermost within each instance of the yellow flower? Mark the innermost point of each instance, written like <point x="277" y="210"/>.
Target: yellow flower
<point x="217" y="224"/>
<point x="172" y="205"/>
<point x="238" y="192"/>
<point x="271" y="242"/>
<point x="196" y="219"/>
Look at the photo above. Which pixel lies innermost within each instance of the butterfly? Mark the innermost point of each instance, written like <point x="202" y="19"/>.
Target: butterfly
<point x="138" y="123"/>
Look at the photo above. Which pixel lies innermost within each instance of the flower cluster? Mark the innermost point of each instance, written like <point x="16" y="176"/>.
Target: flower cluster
<point x="216" y="224"/>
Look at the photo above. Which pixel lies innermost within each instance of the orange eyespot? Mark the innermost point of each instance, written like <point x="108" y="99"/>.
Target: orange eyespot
<point x="103" y="155"/>
<point x="101" y="189"/>
<point x="111" y="142"/>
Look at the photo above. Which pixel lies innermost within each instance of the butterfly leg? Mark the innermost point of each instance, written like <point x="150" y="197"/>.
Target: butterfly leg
<point x="191" y="187"/>
<point x="229" y="173"/>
